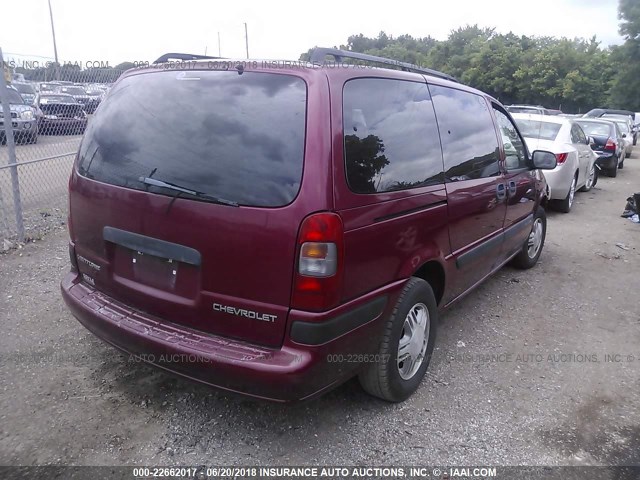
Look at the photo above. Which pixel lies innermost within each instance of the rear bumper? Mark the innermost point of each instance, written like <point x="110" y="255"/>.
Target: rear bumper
<point x="289" y="373"/>
<point x="607" y="160"/>
<point x="559" y="181"/>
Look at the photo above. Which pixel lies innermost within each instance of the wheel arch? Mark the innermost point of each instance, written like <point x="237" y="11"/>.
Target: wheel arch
<point x="433" y="273"/>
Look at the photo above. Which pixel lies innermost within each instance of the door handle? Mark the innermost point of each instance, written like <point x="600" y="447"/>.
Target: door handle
<point x="501" y="191"/>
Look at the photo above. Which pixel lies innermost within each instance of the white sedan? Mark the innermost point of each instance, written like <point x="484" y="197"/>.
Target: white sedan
<point x="575" y="158"/>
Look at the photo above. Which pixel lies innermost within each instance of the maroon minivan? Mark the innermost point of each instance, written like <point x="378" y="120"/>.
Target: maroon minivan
<point x="275" y="229"/>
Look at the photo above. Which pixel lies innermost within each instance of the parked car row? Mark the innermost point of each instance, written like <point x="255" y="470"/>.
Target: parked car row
<point x="54" y="108"/>
<point x="23" y="118"/>
<point x="584" y="147"/>
<point x="576" y="160"/>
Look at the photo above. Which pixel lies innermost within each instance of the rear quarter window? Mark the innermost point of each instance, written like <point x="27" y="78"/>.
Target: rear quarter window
<point x="390" y="136"/>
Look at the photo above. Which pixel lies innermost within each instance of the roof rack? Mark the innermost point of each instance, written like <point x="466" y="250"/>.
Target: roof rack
<point x="183" y="56"/>
<point x="318" y="55"/>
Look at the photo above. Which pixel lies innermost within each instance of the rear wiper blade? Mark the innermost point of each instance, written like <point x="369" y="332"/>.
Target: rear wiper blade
<point x="178" y="188"/>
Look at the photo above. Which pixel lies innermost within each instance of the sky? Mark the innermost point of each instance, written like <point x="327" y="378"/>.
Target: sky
<point x="142" y="30"/>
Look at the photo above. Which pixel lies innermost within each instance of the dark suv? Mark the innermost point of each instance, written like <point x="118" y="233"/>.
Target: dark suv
<point x="275" y="229"/>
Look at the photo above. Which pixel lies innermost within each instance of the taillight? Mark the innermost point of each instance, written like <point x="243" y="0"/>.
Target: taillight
<point x="561" y="158"/>
<point x="318" y="279"/>
<point x="611" y="145"/>
<point x="72" y="258"/>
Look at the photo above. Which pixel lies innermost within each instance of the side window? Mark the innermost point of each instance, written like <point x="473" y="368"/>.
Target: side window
<point x="575" y="135"/>
<point x="582" y="138"/>
<point x="390" y="136"/>
<point x="469" y="141"/>
<point x="516" y="155"/>
<point x="618" y="131"/>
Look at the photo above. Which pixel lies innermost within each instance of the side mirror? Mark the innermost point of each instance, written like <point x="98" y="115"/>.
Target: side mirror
<point x="543" y="160"/>
<point x="589" y="141"/>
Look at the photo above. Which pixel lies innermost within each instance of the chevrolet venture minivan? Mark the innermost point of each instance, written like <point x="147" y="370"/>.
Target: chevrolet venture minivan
<point x="277" y="228"/>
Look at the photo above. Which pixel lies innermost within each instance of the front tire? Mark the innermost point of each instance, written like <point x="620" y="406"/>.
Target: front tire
<point x="406" y="345"/>
<point x="532" y="247"/>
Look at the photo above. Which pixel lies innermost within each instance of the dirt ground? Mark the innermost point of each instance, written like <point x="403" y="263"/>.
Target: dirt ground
<point x="538" y="368"/>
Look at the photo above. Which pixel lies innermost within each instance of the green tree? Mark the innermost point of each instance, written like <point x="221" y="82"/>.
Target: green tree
<point x="626" y="85"/>
<point x="573" y="74"/>
<point x="629" y="13"/>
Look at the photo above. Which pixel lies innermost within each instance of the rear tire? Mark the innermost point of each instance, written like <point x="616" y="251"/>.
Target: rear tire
<point x="390" y="378"/>
<point x="532" y="247"/>
<point x="565" y="205"/>
<point x="613" y="172"/>
<point x="591" y="179"/>
<point x="621" y="165"/>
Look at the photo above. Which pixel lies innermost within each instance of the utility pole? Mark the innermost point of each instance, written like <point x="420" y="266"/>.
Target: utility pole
<point x="53" y="33"/>
<point x="246" y="38"/>
<point x="219" y="54"/>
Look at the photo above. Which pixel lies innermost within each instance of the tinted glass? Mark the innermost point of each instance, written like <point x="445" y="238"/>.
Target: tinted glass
<point x="469" y="141"/>
<point x="578" y="135"/>
<point x="14" y="97"/>
<point x="595" y="129"/>
<point x="623" y="126"/>
<point x="390" y="136"/>
<point x="238" y="137"/>
<point x="24" y="88"/>
<point x="516" y="157"/>
<point x="538" y="129"/>
<point x="618" y="132"/>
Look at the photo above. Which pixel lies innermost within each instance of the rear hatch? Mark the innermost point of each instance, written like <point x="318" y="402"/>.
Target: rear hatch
<point x="182" y="201"/>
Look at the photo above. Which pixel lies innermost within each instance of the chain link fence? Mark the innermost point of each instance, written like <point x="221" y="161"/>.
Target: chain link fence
<point x="44" y="109"/>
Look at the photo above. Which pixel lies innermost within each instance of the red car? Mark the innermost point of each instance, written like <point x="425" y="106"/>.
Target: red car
<point x="275" y="229"/>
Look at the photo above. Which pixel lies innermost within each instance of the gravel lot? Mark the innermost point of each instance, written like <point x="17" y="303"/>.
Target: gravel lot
<point x="547" y="396"/>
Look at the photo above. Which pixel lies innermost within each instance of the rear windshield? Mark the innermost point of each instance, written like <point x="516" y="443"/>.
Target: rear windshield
<point x="238" y="137"/>
<point x="595" y="129"/>
<point x="538" y="129"/>
<point x="524" y="110"/>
